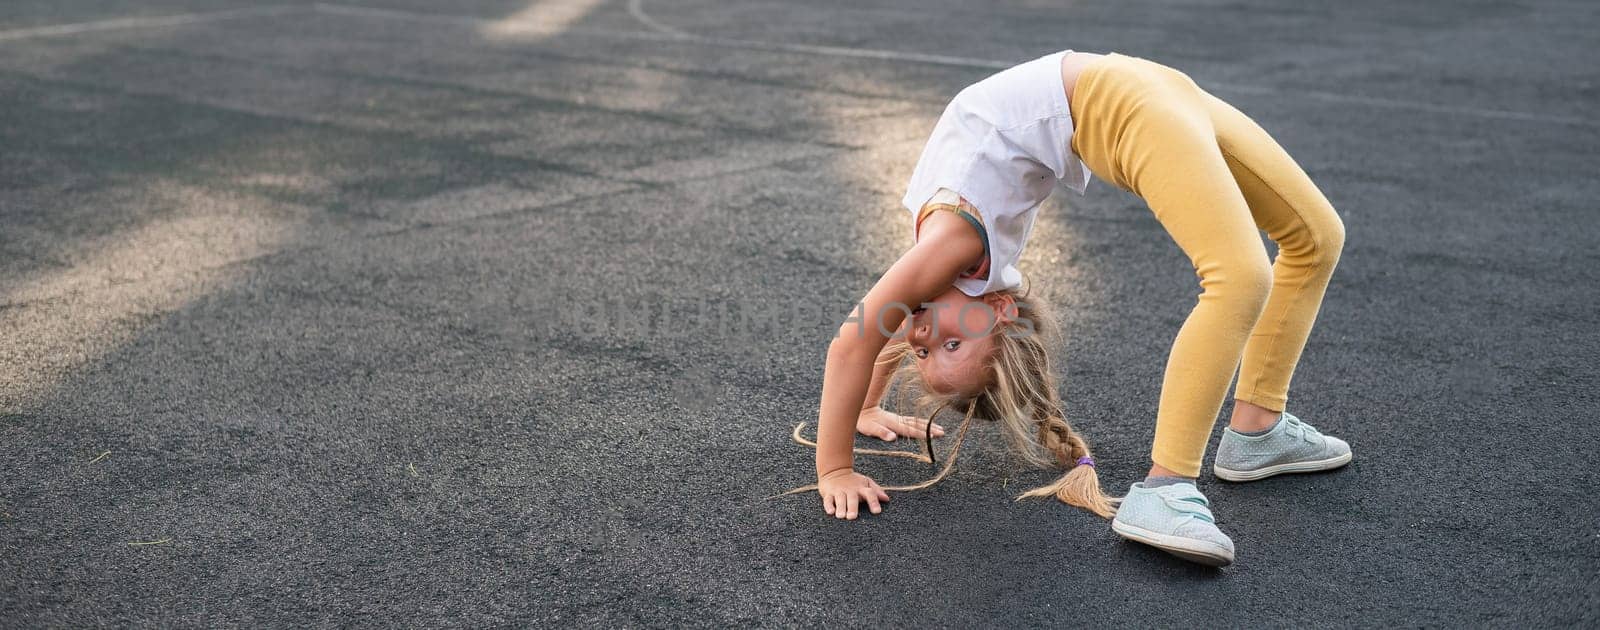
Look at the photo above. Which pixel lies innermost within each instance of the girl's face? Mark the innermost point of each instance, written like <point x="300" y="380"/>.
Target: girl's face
<point x="951" y="339"/>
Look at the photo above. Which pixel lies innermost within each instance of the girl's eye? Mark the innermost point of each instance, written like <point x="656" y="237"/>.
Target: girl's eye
<point x="922" y="353"/>
<point x="951" y="345"/>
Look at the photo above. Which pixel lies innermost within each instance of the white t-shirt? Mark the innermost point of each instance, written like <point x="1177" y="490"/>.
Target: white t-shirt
<point x="1002" y="144"/>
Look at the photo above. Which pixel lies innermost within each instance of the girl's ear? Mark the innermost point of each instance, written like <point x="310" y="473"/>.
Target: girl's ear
<point x="1004" y="305"/>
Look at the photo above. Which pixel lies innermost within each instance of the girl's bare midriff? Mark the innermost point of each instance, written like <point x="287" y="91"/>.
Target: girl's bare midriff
<point x="1072" y="64"/>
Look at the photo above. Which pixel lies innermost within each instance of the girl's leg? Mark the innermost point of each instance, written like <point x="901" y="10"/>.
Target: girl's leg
<point x="1148" y="129"/>
<point x="1287" y="205"/>
<point x="1173" y="162"/>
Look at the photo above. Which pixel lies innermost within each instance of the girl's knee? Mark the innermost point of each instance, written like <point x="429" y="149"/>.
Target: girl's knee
<point x="1330" y="243"/>
<point x="1326" y="242"/>
<point x="1243" y="283"/>
<point x="1316" y="242"/>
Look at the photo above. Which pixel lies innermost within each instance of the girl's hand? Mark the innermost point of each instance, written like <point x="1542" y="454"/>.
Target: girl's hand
<point x="882" y="424"/>
<point x="842" y="491"/>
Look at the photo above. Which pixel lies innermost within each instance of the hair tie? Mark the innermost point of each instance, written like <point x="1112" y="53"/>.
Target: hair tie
<point x="1086" y="461"/>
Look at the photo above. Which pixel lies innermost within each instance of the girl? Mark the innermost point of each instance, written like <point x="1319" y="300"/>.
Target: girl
<point x="1210" y="176"/>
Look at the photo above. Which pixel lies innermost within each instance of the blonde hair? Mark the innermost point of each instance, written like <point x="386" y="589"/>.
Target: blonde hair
<point x="1022" y="397"/>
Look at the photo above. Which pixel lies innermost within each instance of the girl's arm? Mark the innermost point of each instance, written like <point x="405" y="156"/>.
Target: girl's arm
<point x="882" y="423"/>
<point x="883" y="368"/>
<point x="948" y="245"/>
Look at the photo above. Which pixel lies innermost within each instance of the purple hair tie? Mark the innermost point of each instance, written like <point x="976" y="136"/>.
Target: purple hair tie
<point x="1086" y="461"/>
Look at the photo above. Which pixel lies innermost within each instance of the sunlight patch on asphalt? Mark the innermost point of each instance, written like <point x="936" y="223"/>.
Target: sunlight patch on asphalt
<point x="541" y="19"/>
<point x="59" y="321"/>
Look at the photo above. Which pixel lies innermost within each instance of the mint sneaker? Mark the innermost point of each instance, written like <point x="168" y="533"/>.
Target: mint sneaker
<point x="1292" y="446"/>
<point x="1176" y="519"/>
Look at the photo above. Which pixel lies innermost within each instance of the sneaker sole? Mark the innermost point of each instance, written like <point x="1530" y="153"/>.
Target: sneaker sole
<point x="1206" y="553"/>
<point x="1278" y="469"/>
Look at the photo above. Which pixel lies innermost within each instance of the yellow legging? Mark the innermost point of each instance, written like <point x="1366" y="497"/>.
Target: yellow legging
<point x="1212" y="177"/>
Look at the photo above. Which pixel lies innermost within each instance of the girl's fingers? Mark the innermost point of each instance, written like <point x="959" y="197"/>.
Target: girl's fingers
<point x="916" y="427"/>
<point x="877" y="430"/>
<point x="908" y="429"/>
<point x="922" y="426"/>
<point x="846" y="504"/>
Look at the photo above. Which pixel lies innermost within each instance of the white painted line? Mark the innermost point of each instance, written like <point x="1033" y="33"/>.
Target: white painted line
<point x="58" y="30"/>
<point x="860" y="53"/>
<point x="636" y="9"/>
<point x="1393" y="103"/>
<point x="662" y="32"/>
<point x="391" y="14"/>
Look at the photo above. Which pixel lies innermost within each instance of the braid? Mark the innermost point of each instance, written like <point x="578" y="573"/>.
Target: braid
<point x="1056" y="436"/>
<point x="1080" y="486"/>
<point x="1025" y="388"/>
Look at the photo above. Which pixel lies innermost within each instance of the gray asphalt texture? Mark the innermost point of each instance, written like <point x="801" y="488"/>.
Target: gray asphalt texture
<point x="418" y="314"/>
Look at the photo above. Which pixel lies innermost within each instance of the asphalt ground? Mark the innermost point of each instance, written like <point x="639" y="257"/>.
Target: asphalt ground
<point x="406" y="313"/>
